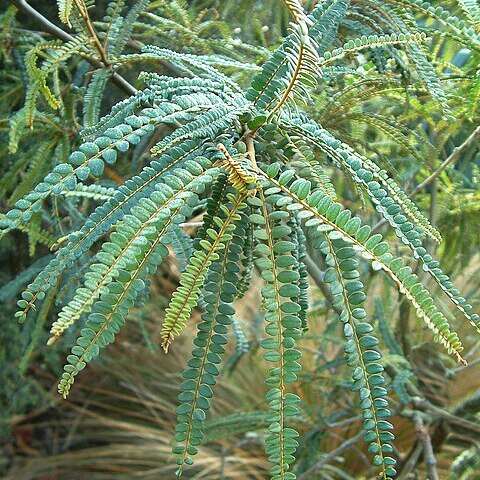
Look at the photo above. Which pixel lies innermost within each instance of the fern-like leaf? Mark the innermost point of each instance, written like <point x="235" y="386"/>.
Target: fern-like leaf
<point x="185" y="298"/>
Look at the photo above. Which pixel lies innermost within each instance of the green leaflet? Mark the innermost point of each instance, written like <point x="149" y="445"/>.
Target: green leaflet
<point x="372" y="41"/>
<point x="108" y="313"/>
<point x="390" y="201"/>
<point x="450" y="21"/>
<point x="310" y="168"/>
<point x="96" y="192"/>
<point x="88" y="159"/>
<point x="93" y="97"/>
<point x="65" y="8"/>
<point x="384" y="328"/>
<point x="364" y="171"/>
<point x="121" y="25"/>
<point x="111" y="211"/>
<point x="327" y="17"/>
<point x="247" y="262"/>
<point x="283" y="326"/>
<point x="185" y="298"/>
<point x="116" y="255"/>
<point x="324" y="216"/>
<point x="284" y="74"/>
<point x="196" y="391"/>
<point x="474" y="97"/>
<point x="56" y="53"/>
<point x="300" y="280"/>
<point x="182" y="245"/>
<point x="360" y="349"/>
<point x="471" y="9"/>
<point x="399" y="385"/>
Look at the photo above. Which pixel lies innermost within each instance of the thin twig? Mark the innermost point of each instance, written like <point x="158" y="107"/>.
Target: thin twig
<point x="428" y="455"/>
<point x="117" y="79"/>
<point x="82" y="8"/>
<point x="251" y="149"/>
<point x="47" y="24"/>
<point x="411" y="461"/>
<point x="329" y="457"/>
<point x="450" y="159"/>
<point x="315" y="272"/>
<point x="190" y="224"/>
<point x="437" y="412"/>
<point x="453" y="157"/>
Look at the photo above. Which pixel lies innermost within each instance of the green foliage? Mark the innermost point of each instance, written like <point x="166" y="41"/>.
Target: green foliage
<point x="220" y="290"/>
<point x="360" y="348"/>
<point x="465" y="464"/>
<point x="247" y="139"/>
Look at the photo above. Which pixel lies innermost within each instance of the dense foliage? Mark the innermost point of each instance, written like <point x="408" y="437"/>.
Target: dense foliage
<point x="285" y="165"/>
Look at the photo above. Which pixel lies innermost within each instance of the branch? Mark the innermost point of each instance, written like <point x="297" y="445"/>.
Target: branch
<point x="327" y="458"/>
<point x="50" y="27"/>
<point x="470" y="406"/>
<point x="318" y="277"/>
<point x="429" y="457"/>
<point x="46" y="24"/>
<point x="411" y="461"/>
<point x="423" y="404"/>
<point x="453" y="157"/>
<point x="82" y="8"/>
<point x="315" y="272"/>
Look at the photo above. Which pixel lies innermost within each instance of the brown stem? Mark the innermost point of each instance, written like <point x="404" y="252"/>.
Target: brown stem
<point x="82" y="8"/>
<point x="114" y="175"/>
<point x="117" y="79"/>
<point x="251" y="148"/>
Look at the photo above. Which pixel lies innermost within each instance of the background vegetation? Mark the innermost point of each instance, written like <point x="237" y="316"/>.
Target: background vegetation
<point x="418" y="122"/>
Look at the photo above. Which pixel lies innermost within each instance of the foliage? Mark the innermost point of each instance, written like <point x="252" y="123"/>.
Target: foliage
<point x="351" y="91"/>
